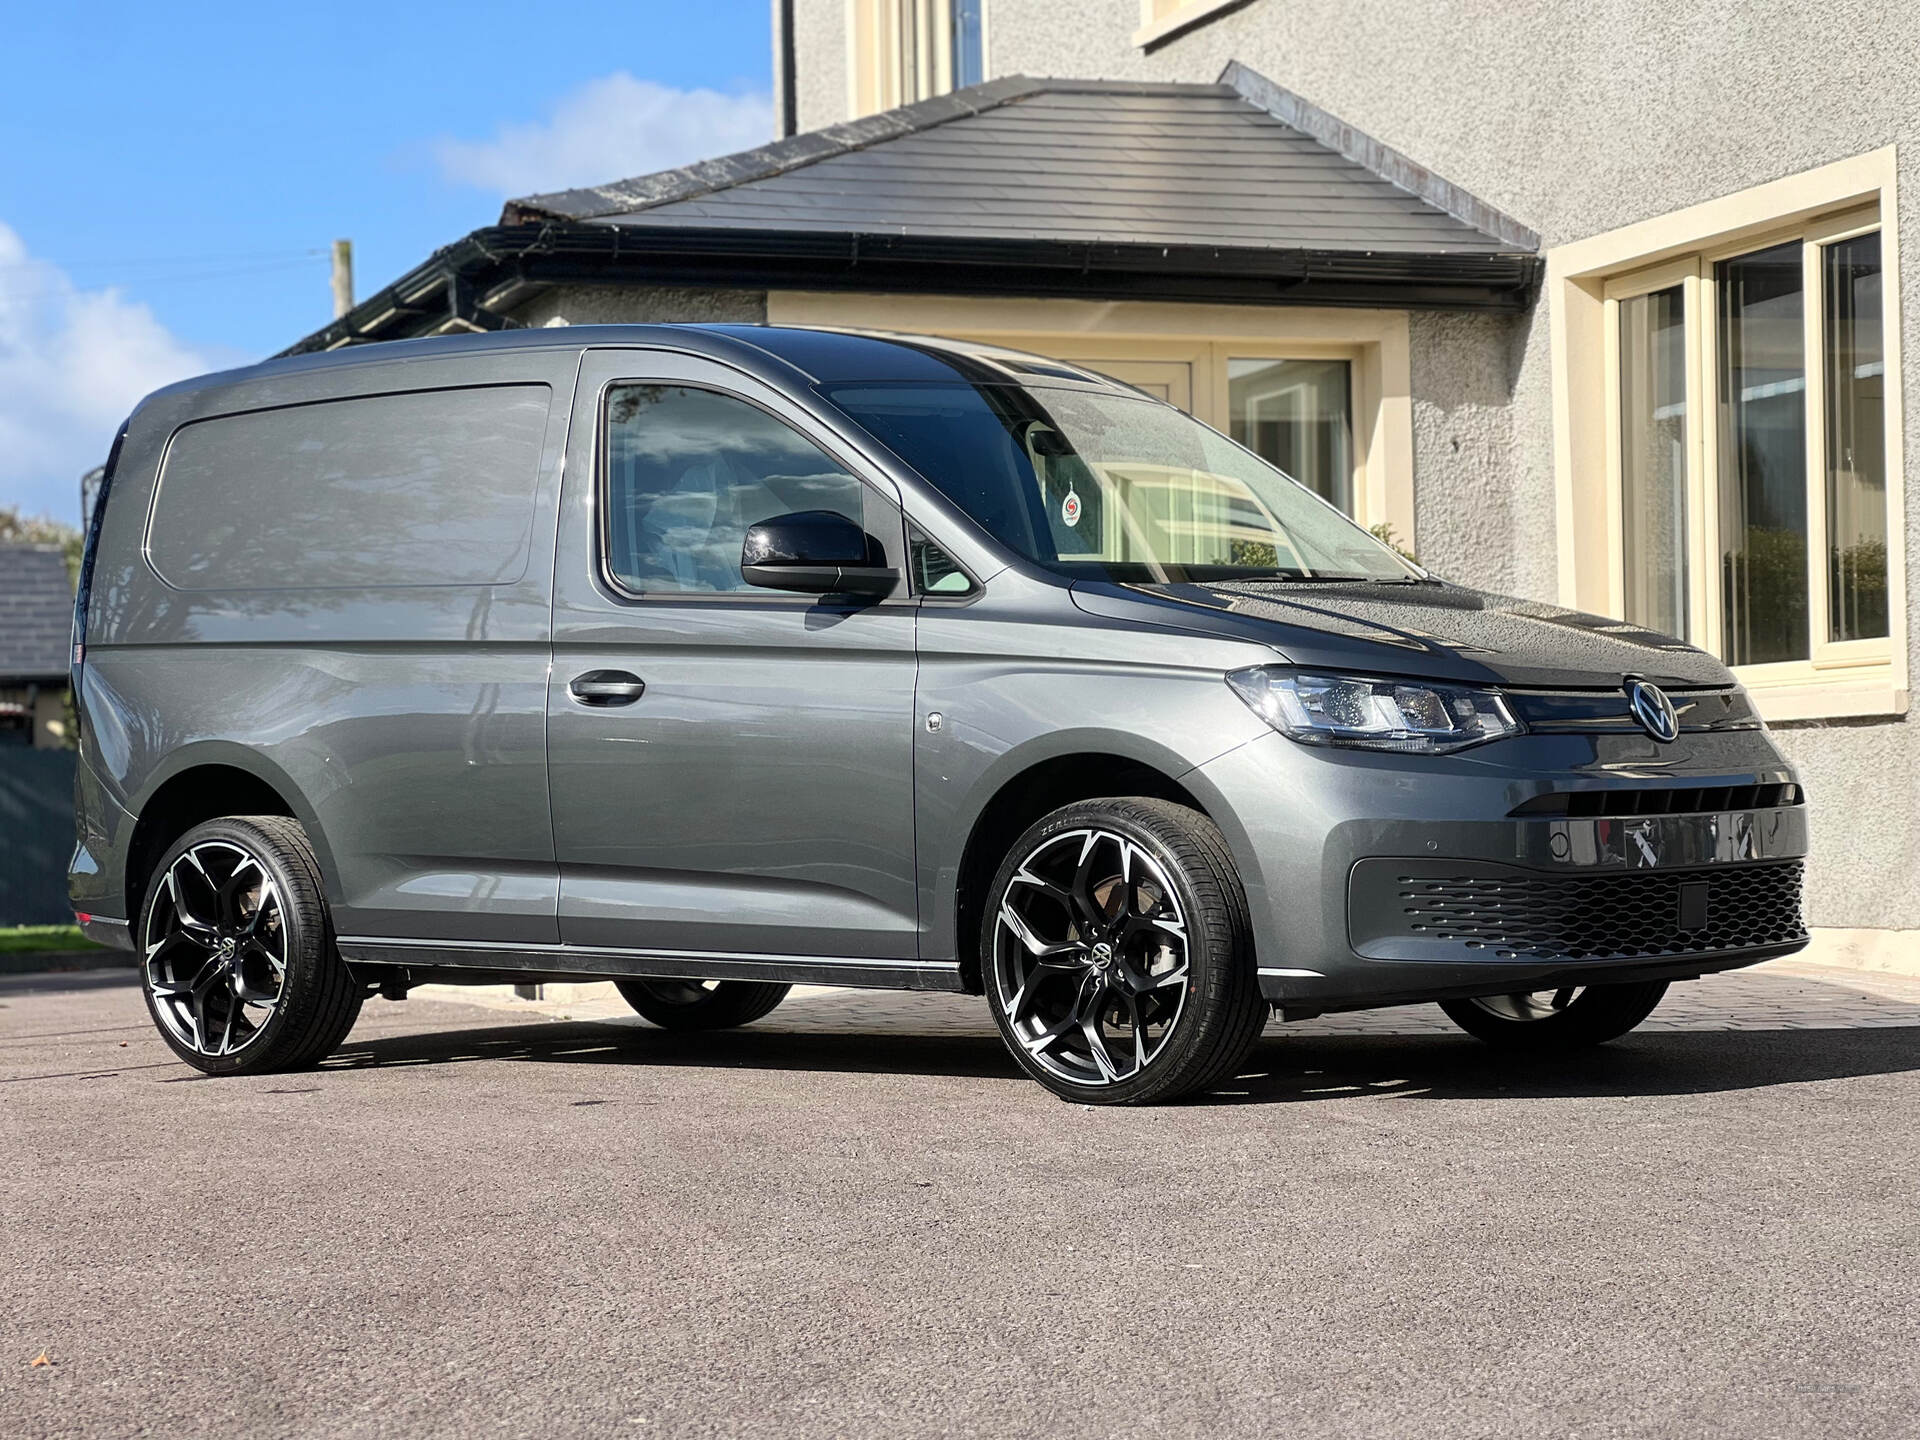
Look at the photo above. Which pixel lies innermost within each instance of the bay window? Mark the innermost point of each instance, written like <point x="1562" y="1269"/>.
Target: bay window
<point x="1747" y="449"/>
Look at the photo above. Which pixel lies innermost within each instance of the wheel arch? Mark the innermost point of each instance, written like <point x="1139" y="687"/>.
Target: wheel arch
<point x="201" y="783"/>
<point x="1026" y="786"/>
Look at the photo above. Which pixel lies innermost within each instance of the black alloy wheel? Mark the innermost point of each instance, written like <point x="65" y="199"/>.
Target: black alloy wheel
<point x="1117" y="954"/>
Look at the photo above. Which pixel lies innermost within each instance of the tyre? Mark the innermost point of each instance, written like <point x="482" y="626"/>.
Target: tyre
<point x="239" y="967"/>
<point x="702" y="1004"/>
<point x="1117" y="953"/>
<point x="1539" y="1020"/>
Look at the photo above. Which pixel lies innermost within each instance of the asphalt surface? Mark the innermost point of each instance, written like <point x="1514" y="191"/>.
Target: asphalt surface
<point x="478" y="1223"/>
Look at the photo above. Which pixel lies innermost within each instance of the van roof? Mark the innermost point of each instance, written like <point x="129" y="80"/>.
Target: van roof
<point x="823" y="356"/>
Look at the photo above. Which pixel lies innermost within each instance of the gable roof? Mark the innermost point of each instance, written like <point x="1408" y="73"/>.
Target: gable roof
<point x="1236" y="192"/>
<point x="36" y="614"/>
<point x="1076" y="160"/>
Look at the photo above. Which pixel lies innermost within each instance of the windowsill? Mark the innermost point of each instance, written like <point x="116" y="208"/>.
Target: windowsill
<point x="1195" y="12"/>
<point x="1860" y="693"/>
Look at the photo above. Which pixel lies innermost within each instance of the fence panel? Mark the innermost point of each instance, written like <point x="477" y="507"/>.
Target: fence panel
<point x="36" y="835"/>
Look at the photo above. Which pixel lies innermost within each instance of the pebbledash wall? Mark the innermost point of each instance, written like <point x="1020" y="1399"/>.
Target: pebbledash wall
<point x="1578" y="118"/>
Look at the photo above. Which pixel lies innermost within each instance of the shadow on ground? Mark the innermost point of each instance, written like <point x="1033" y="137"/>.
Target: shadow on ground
<point x="1281" y="1069"/>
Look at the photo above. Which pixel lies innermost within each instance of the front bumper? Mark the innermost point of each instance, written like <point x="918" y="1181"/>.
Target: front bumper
<point x="1379" y="880"/>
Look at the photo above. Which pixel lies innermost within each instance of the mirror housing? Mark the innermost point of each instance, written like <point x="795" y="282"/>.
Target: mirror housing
<point x="815" y="552"/>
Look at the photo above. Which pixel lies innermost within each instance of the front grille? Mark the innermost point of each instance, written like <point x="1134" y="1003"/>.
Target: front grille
<point x="1511" y="915"/>
<point x="1665" y="800"/>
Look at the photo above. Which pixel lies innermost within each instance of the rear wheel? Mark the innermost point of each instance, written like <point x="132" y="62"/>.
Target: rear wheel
<point x="238" y="963"/>
<point x="702" y="1004"/>
<point x="1572" y="1016"/>
<point x="1118" y="955"/>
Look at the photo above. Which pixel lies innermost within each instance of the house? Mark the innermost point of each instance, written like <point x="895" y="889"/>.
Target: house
<point x="36" y="631"/>
<point x="1585" y="304"/>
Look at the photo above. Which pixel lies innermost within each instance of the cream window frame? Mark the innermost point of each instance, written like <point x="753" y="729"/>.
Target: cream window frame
<point x="1587" y="280"/>
<point x="1163" y="19"/>
<point x="1086" y="332"/>
<point x="900" y="52"/>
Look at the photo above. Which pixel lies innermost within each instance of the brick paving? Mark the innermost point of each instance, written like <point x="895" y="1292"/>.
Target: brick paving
<point x="1785" y="995"/>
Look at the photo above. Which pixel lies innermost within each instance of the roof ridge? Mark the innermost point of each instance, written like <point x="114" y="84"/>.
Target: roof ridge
<point x="663" y="187"/>
<point x="1383" y="160"/>
<point x="795" y="152"/>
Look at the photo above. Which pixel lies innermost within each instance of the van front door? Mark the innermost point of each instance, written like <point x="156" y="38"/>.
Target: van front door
<point x="731" y="767"/>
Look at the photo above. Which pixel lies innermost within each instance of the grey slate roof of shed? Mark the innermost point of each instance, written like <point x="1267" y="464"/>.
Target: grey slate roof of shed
<point x="36" y="614"/>
<point x="1073" y="160"/>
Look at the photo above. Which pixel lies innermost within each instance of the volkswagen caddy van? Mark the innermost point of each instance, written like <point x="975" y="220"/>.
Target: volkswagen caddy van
<point x="714" y="659"/>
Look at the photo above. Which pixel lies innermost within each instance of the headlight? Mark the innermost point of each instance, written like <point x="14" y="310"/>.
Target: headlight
<point x="1370" y="714"/>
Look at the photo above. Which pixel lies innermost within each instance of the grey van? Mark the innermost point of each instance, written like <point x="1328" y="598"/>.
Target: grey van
<point x="713" y="659"/>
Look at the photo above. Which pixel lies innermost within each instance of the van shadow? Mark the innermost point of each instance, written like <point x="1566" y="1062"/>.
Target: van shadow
<point x="1281" y="1070"/>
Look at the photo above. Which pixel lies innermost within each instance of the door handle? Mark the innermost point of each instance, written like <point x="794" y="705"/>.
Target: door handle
<point x="606" y="687"/>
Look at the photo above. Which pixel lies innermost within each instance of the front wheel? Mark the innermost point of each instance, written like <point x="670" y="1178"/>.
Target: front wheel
<point x="1118" y="954"/>
<point x="1572" y="1016"/>
<point x="702" y="1004"/>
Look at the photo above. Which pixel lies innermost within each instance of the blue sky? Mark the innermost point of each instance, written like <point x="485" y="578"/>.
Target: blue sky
<point x="173" y="175"/>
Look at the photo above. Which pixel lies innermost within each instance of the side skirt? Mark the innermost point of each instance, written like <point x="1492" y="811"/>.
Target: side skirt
<point x="592" y="962"/>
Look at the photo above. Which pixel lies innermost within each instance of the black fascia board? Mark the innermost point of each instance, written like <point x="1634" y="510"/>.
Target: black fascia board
<point x="454" y="282"/>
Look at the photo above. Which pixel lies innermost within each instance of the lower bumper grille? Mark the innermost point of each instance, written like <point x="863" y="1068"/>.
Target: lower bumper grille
<point x="1467" y="910"/>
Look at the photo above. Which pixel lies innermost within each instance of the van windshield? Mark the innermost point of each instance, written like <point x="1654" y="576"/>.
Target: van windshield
<point x="1095" y="484"/>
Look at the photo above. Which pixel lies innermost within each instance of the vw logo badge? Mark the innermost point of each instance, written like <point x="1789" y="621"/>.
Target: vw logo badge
<point x="1653" y="710"/>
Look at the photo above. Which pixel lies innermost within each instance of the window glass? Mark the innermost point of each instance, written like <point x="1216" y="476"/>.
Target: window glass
<point x="1102" y="484"/>
<point x="1856" y="479"/>
<point x="1653" y="459"/>
<point x="934" y="571"/>
<point x="969" y="62"/>
<point x="1297" y="415"/>
<point x="430" y="488"/>
<point x="688" y="470"/>
<point x="1763" y="457"/>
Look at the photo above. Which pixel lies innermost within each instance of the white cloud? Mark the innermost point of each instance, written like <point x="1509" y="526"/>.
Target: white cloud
<point x="609" y="129"/>
<point x="73" y="364"/>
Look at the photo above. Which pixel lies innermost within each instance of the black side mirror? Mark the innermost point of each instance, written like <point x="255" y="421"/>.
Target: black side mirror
<point x="817" y="553"/>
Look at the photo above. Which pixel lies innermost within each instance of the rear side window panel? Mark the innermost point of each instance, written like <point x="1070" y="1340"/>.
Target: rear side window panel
<point x="431" y="487"/>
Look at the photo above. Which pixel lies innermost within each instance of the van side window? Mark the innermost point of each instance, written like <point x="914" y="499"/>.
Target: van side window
<point x="688" y="470"/>
<point x="934" y="571"/>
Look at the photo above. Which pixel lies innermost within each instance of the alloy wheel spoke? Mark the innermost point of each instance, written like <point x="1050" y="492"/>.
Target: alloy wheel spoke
<point x="1038" y="948"/>
<point x="1089" y="908"/>
<point x="1139" y="1033"/>
<point x="230" y="891"/>
<point x="183" y="915"/>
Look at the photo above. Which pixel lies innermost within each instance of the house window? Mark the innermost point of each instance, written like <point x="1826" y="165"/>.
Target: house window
<point x="1297" y="415"/>
<point x="902" y="51"/>
<point x="1750" y="446"/>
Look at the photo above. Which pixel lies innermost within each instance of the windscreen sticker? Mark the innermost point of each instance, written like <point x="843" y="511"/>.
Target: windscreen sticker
<point x="1070" y="510"/>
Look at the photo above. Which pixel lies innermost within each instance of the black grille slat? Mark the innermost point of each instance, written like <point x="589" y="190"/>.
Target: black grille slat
<point x="1675" y="800"/>
<point x="1598" y="917"/>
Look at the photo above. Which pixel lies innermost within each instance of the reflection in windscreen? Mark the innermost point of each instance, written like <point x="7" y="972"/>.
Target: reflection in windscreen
<point x="1093" y="482"/>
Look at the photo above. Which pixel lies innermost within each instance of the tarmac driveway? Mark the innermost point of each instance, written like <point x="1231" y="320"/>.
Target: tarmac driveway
<point x="854" y="1218"/>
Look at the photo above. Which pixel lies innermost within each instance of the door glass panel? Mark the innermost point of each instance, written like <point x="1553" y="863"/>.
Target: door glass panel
<point x="1653" y="459"/>
<point x="1298" y="415"/>
<point x="1856" y="433"/>
<point x="1762" y="386"/>
<point x="689" y="470"/>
